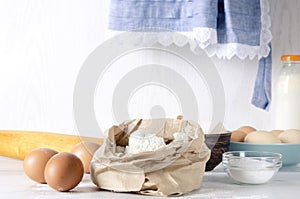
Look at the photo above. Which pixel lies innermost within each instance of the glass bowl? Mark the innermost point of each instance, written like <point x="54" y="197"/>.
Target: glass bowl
<point x="251" y="167"/>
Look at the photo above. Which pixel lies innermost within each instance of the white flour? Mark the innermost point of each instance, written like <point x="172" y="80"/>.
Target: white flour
<point x="139" y="141"/>
<point x="251" y="171"/>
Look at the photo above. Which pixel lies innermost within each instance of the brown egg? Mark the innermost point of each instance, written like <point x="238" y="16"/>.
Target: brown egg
<point x="64" y="171"/>
<point x="35" y="162"/>
<point x="85" y="152"/>
<point x="237" y="136"/>
<point x="246" y="129"/>
<point x="276" y="132"/>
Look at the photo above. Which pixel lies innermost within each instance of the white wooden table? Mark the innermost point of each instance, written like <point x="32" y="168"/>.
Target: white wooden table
<point x="216" y="184"/>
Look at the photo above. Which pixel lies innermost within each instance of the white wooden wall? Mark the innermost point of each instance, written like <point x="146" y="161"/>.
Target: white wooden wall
<point x="43" y="44"/>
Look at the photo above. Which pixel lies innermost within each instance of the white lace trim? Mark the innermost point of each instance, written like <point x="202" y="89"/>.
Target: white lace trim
<point x="241" y="50"/>
<point x="206" y="38"/>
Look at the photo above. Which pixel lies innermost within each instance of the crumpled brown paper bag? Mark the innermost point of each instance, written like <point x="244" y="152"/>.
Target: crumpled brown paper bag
<point x="175" y="169"/>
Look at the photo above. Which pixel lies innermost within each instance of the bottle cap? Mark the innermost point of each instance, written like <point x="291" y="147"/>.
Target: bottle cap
<point x="290" y="58"/>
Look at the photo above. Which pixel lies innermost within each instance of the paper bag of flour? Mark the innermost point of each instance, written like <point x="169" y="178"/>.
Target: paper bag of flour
<point x="173" y="169"/>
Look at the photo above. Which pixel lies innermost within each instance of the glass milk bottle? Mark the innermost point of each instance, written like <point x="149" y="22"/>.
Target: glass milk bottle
<point x="287" y="94"/>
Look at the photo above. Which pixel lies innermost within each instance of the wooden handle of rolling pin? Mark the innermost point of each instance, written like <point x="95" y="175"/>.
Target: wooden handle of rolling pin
<point x="16" y="144"/>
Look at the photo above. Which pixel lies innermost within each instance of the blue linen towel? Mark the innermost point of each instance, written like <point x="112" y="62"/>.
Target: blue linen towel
<point x="263" y="83"/>
<point x="238" y="25"/>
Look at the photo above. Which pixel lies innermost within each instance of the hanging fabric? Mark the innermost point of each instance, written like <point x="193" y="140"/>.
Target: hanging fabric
<point x="222" y="28"/>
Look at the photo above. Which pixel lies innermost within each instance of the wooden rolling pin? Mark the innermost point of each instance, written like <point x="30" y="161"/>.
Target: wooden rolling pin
<point x="16" y="144"/>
